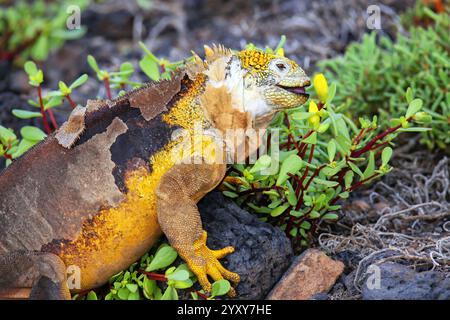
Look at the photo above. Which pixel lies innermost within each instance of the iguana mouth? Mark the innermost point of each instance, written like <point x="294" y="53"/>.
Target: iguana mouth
<point x="295" y="90"/>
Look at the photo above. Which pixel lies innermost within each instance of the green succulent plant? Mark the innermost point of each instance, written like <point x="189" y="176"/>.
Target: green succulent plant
<point x="33" y="28"/>
<point x="373" y="76"/>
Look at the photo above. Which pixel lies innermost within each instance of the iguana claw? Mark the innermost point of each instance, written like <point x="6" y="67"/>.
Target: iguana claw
<point x="205" y="263"/>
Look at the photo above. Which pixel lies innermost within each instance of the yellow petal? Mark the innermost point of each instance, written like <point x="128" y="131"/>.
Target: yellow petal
<point x="321" y="86"/>
<point x="280" y="52"/>
<point x="314" y="121"/>
<point x="313" y="107"/>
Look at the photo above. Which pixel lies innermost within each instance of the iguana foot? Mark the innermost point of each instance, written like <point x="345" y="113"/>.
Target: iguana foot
<point x="204" y="262"/>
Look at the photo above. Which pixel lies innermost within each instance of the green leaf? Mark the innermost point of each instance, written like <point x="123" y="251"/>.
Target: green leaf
<point x="30" y="68"/>
<point x="292" y="164"/>
<point x="330" y="216"/>
<point x="291" y="196"/>
<point x="299" y="116"/>
<point x="230" y="194"/>
<point x="149" y="287"/>
<point x="414" y="107"/>
<point x="123" y="293"/>
<point x="279" y="210"/>
<point x="7" y="135"/>
<point x="305" y="225"/>
<point x="93" y="63"/>
<point x="220" y="287"/>
<point x="386" y="156"/>
<point x="164" y="257"/>
<point x="312" y="139"/>
<point x="170" y="294"/>
<point x="409" y="95"/>
<point x="24" y="114"/>
<point x="314" y="215"/>
<point x="134" y="295"/>
<point x="53" y="102"/>
<point x="331" y="148"/>
<point x="150" y="67"/>
<point x="24" y="146"/>
<point x="32" y="133"/>
<point x="414" y="129"/>
<point x="296" y="214"/>
<point x="40" y="48"/>
<point x="355" y="169"/>
<point x="262" y="163"/>
<point x="132" y="287"/>
<point x="91" y="296"/>
<point x="326" y="182"/>
<point x="370" y="169"/>
<point x="331" y="93"/>
<point x="180" y="275"/>
<point x="80" y="81"/>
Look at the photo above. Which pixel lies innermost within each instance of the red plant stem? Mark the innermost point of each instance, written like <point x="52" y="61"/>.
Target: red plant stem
<point x="379" y="145"/>
<point x="202" y="295"/>
<point x="361" y="182"/>
<point x="108" y="88"/>
<point x="358" y="137"/>
<point x="72" y="103"/>
<point x="52" y="119"/>
<point x="304" y="146"/>
<point x="368" y="146"/>
<point x="302" y="179"/>
<point x="7" y="156"/>
<point x="44" y="116"/>
<point x="356" y="185"/>
<point x="5" y="55"/>
<point x="153" y="276"/>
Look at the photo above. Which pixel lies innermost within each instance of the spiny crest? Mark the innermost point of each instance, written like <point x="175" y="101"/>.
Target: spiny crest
<point x="216" y="52"/>
<point x="214" y="65"/>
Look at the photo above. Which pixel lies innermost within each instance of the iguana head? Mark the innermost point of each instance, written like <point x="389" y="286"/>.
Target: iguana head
<point x="259" y="83"/>
<point x="279" y="81"/>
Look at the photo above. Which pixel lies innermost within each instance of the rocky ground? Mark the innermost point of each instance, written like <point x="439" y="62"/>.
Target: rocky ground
<point x="401" y="224"/>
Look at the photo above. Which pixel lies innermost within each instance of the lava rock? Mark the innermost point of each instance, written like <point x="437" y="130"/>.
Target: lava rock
<point x="311" y="274"/>
<point x="398" y="282"/>
<point x="262" y="252"/>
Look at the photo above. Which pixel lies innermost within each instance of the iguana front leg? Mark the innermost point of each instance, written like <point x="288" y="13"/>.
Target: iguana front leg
<point x="177" y="195"/>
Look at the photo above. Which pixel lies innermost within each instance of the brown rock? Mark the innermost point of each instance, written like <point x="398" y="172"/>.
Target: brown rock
<point x="311" y="273"/>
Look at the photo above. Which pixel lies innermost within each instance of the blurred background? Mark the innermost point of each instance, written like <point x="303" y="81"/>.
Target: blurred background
<point x="111" y="30"/>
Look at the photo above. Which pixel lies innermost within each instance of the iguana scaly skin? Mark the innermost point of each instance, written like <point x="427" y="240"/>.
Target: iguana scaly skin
<point x="99" y="192"/>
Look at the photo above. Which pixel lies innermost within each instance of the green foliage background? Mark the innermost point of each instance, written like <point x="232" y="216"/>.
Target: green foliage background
<point x="373" y="75"/>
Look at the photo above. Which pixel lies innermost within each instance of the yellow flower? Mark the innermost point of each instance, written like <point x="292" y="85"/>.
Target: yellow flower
<point x="280" y="52"/>
<point x="321" y="86"/>
<point x="314" y="120"/>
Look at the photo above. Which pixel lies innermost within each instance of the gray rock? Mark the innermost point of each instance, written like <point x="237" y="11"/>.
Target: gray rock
<point x="263" y="252"/>
<point x="398" y="282"/>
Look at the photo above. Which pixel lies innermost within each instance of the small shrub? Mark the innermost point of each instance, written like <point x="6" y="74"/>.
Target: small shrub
<point x="373" y="77"/>
<point x="145" y="279"/>
<point x="323" y="157"/>
<point x="11" y="148"/>
<point x="33" y="28"/>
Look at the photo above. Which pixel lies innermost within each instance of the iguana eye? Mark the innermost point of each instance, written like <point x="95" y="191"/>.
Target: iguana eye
<point x="281" y="66"/>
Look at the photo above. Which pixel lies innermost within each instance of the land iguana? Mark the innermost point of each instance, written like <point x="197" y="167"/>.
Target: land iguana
<point x="101" y="190"/>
